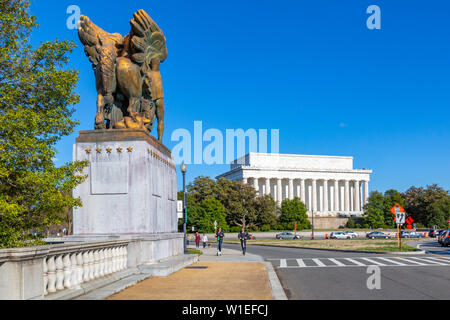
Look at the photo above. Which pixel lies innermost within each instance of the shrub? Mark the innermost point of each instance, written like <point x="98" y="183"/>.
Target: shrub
<point x="265" y="228"/>
<point x="350" y="224"/>
<point x="235" y="229"/>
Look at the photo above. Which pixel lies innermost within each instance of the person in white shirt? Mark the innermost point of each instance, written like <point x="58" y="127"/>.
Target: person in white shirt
<point x="205" y="240"/>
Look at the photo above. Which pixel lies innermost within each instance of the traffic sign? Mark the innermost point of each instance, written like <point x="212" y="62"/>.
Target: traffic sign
<point x="400" y="217"/>
<point x="180" y="209"/>
<point x="396" y="208"/>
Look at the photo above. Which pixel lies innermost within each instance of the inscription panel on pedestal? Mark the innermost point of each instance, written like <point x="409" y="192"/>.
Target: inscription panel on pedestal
<point x="109" y="177"/>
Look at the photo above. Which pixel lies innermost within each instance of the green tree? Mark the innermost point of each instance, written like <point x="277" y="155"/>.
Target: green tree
<point x="36" y="105"/>
<point x="439" y="213"/>
<point x="374" y="210"/>
<point x="202" y="215"/>
<point x="266" y="211"/>
<point x="294" y="211"/>
<point x="418" y="202"/>
<point x="239" y="202"/>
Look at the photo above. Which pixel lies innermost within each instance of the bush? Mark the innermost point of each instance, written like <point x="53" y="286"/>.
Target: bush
<point x="253" y="228"/>
<point x="350" y="224"/>
<point x="235" y="229"/>
<point x="265" y="228"/>
<point x="278" y="226"/>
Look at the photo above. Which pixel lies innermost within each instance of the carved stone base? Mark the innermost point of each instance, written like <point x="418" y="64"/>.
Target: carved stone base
<point x="131" y="186"/>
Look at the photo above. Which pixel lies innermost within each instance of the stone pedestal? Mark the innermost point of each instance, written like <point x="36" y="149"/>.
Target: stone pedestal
<point x="131" y="186"/>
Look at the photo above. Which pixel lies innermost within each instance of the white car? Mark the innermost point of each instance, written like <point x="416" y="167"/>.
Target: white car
<point x="351" y="233"/>
<point x="339" y="235"/>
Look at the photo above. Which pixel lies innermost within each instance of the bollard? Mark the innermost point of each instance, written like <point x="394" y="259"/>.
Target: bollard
<point x="425" y="235"/>
<point x="326" y="236"/>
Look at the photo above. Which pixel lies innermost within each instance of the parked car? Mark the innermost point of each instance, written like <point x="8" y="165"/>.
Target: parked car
<point x="434" y="233"/>
<point x="287" y="236"/>
<point x="351" y="233"/>
<point x="340" y="235"/>
<point x="378" y="235"/>
<point x="410" y="234"/>
<point x="441" y="236"/>
<point x="445" y="238"/>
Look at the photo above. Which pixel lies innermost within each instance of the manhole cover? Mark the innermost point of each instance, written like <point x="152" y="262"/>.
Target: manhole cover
<point x="197" y="267"/>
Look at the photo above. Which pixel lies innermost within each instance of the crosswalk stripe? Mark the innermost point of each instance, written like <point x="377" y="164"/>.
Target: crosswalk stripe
<point x="439" y="259"/>
<point x="393" y="261"/>
<point x="355" y="262"/>
<point x="283" y="263"/>
<point x="430" y="261"/>
<point x="319" y="263"/>
<point x="411" y="261"/>
<point x="337" y="262"/>
<point x="374" y="262"/>
<point x="300" y="263"/>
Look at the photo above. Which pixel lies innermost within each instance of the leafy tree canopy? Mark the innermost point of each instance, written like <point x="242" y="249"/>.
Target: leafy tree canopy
<point x="36" y="107"/>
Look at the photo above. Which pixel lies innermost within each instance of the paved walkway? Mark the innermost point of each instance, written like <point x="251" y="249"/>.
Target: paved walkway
<point x="231" y="276"/>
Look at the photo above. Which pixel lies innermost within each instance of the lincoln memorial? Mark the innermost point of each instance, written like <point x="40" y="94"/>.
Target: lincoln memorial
<point x="328" y="185"/>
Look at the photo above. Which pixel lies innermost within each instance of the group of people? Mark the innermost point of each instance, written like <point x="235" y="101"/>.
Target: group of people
<point x="243" y="236"/>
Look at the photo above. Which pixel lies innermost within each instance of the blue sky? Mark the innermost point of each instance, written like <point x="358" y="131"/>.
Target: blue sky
<point x="311" y="69"/>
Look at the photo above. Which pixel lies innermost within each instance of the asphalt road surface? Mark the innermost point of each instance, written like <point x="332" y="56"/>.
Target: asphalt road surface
<point x="318" y="274"/>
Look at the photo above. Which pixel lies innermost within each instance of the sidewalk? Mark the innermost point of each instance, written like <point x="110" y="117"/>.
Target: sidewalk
<point x="231" y="276"/>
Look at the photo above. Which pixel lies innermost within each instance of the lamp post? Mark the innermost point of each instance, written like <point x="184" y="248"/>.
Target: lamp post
<point x="183" y="171"/>
<point x="312" y="235"/>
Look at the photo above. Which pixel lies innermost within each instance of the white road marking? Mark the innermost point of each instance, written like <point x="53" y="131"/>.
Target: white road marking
<point x="301" y="264"/>
<point x="393" y="261"/>
<point x="337" y="262"/>
<point x="411" y="261"/>
<point x="374" y="262"/>
<point x="428" y="259"/>
<point x="355" y="262"/>
<point x="319" y="263"/>
<point x="283" y="263"/>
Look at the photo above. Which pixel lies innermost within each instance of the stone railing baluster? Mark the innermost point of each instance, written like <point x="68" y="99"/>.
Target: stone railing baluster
<point x="67" y="271"/>
<point x="74" y="271"/>
<point x="91" y="265"/>
<point x="79" y="268"/>
<point x="45" y="270"/>
<point x="96" y="264"/>
<point x="59" y="273"/>
<point x="85" y="266"/>
<point x="51" y="272"/>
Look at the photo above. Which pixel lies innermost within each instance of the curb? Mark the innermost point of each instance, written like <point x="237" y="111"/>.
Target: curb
<point x="275" y="284"/>
<point x="340" y="250"/>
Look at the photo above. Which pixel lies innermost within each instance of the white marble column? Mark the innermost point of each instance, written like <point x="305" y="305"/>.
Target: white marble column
<point x="279" y="191"/>
<point x="357" y="203"/>
<point x="256" y="185"/>
<point x="291" y="189"/>
<point x="314" y="195"/>
<point x="347" y="196"/>
<point x="302" y="191"/>
<point x="267" y="186"/>
<point x="366" y="192"/>
<point x="336" y="195"/>
<point x="325" y="196"/>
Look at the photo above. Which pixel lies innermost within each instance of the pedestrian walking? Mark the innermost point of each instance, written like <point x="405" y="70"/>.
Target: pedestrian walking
<point x="220" y="235"/>
<point x="205" y="240"/>
<point x="188" y="239"/>
<point x="243" y="236"/>
<point x="197" y="240"/>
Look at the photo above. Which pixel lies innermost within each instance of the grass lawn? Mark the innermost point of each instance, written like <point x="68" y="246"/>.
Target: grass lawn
<point x="194" y="251"/>
<point x="339" y="244"/>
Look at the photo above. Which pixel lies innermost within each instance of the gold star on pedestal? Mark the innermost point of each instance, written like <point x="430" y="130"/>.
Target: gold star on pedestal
<point x="119" y="149"/>
<point x="130" y="149"/>
<point x="108" y="150"/>
<point x="99" y="150"/>
<point x="88" y="151"/>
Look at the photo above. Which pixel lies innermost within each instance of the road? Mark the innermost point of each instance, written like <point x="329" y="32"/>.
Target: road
<point x="318" y="274"/>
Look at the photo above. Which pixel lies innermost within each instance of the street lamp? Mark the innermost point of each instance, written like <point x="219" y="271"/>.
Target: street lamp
<point x="183" y="171"/>
<point x="312" y="235"/>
